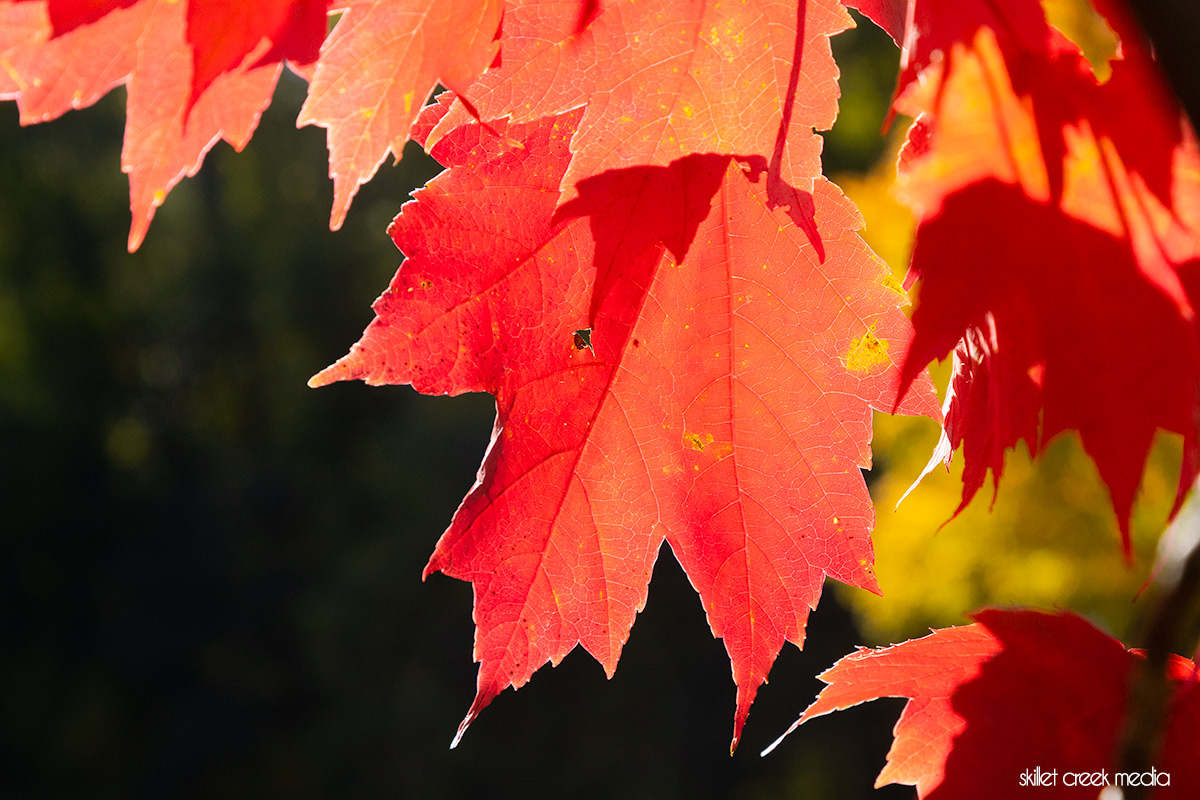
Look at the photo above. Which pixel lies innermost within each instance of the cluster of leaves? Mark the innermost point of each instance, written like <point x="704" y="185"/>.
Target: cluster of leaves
<point x="633" y="248"/>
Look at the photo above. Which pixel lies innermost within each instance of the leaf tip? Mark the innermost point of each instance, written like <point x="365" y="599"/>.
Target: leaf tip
<point x="745" y="698"/>
<point x="462" y="728"/>
<point x="331" y="374"/>
<point x="771" y="747"/>
<point x="486" y="694"/>
<point x="430" y="568"/>
<point x="345" y="187"/>
<point x="336" y="217"/>
<point x="137" y="235"/>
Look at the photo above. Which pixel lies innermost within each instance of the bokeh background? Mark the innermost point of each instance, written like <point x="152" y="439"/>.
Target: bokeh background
<point x="210" y="574"/>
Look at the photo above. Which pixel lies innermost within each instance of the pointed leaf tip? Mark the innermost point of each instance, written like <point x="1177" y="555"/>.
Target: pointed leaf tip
<point x="331" y="374"/>
<point x="745" y="699"/>
<point x="344" y="190"/>
<point x="771" y="747"/>
<point x="136" y="236"/>
<point x="462" y="729"/>
<point x="378" y="66"/>
<point x="486" y="694"/>
<point x="339" y="370"/>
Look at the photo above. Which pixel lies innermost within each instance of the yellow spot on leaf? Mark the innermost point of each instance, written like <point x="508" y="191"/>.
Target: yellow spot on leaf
<point x="703" y="442"/>
<point x="867" y="352"/>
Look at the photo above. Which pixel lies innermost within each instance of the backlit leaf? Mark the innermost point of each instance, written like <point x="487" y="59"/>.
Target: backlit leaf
<point x="997" y="705"/>
<point x="662" y="80"/>
<point x="724" y="404"/>
<point x="379" y="66"/>
<point x="1056" y="214"/>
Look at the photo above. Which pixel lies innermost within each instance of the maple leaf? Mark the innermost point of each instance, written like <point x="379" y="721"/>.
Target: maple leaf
<point x="1075" y="308"/>
<point x="67" y="15"/>
<point x="196" y="73"/>
<point x="51" y="67"/>
<point x="887" y="14"/>
<point x="379" y="66"/>
<point x="662" y="80"/>
<point x="985" y="413"/>
<point x="995" y="700"/>
<point x="722" y="403"/>
<point x="222" y="33"/>
<point x="164" y="140"/>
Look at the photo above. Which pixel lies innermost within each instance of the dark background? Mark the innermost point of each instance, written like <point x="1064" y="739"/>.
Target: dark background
<point x="210" y="574"/>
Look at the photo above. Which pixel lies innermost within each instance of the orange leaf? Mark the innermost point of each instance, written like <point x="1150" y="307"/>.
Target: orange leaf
<point x="50" y="73"/>
<point x="662" y="80"/>
<point x="196" y="73"/>
<point x="723" y="403"/>
<point x="377" y="69"/>
<point x="163" y="141"/>
<point x="67" y="15"/>
<point x="222" y="33"/>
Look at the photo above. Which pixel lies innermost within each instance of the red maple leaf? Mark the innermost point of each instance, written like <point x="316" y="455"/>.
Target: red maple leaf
<point x="222" y="33"/>
<point x="378" y="68"/>
<point x="662" y="80"/>
<point x="722" y="401"/>
<point x="207" y="70"/>
<point x="50" y="68"/>
<point x="887" y="14"/>
<point x="164" y="140"/>
<point x="1088" y="199"/>
<point x="1017" y="692"/>
<point x="67" y="15"/>
<point x="196" y="72"/>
